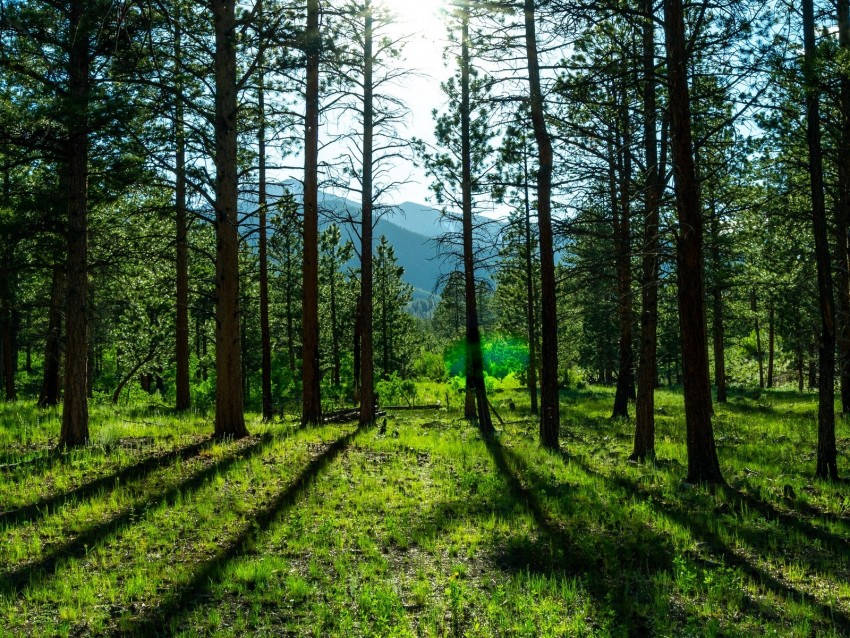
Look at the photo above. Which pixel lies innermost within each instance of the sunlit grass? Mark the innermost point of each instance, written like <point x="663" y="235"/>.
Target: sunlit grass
<point x="425" y="529"/>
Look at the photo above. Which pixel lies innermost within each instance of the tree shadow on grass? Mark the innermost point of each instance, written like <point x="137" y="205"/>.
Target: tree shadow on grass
<point x="164" y="619"/>
<point x="15" y="580"/>
<point x="615" y="566"/>
<point x="45" y="506"/>
<point x="700" y="529"/>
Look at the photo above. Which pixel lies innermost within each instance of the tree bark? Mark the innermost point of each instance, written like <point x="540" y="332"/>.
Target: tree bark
<point x="644" y="443"/>
<point x="365" y="306"/>
<point x="311" y="413"/>
<point x="229" y="416"/>
<point x="703" y="466"/>
<point x="75" y="415"/>
<point x="474" y="358"/>
<point x="550" y="408"/>
<point x="827" y="466"/>
<point x="181" y="345"/>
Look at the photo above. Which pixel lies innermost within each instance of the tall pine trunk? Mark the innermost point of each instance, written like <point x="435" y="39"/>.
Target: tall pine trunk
<point x="549" y="406"/>
<point x="474" y="358"/>
<point x="181" y="346"/>
<point x="644" y="444"/>
<point x="311" y="412"/>
<point x="703" y="466"/>
<point x="229" y="416"/>
<point x="75" y="414"/>
<point x="827" y="465"/>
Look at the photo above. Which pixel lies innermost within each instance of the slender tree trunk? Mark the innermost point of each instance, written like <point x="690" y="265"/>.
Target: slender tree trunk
<point x="126" y="378"/>
<point x="474" y="358"/>
<point x="181" y="345"/>
<point x="550" y="408"/>
<point x="265" y="337"/>
<point x="771" y="342"/>
<point x="529" y="286"/>
<point x="843" y="213"/>
<point x="358" y="332"/>
<point x="827" y="465"/>
<point x="365" y="301"/>
<point x="311" y="413"/>
<point x="75" y="414"/>
<point x="229" y="414"/>
<point x="717" y="309"/>
<point x="644" y="444"/>
<point x="703" y="465"/>
<point x="800" y="366"/>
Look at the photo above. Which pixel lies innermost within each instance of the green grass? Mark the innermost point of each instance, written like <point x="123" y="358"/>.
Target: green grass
<point x="425" y="530"/>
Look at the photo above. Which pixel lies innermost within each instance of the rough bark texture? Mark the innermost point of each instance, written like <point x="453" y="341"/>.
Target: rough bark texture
<point x="75" y="414"/>
<point x="229" y="416"/>
<point x="827" y="467"/>
<point x="49" y="395"/>
<point x="703" y="466"/>
<point x="843" y="214"/>
<point x="311" y="412"/>
<point x="549" y="406"/>
<point x="265" y="334"/>
<point x="644" y="444"/>
<point x="181" y="346"/>
<point x="474" y="358"/>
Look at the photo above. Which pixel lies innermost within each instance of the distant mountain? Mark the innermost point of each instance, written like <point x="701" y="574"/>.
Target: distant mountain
<point x="412" y="230"/>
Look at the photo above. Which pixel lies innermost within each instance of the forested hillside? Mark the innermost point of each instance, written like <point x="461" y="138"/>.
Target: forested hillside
<point x="449" y="317"/>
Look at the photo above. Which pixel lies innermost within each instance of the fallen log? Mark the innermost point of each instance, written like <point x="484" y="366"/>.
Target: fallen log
<point x="395" y="408"/>
<point x="351" y="414"/>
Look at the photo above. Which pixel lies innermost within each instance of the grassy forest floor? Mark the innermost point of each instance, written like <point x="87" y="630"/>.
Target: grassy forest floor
<point x="423" y="530"/>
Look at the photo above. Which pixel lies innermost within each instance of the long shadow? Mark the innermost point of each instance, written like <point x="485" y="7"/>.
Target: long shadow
<point x="835" y="543"/>
<point x="699" y="529"/>
<point x="44" y="506"/>
<point x="159" y="621"/>
<point x="609" y="590"/>
<point x="10" y="461"/>
<point x="13" y="581"/>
